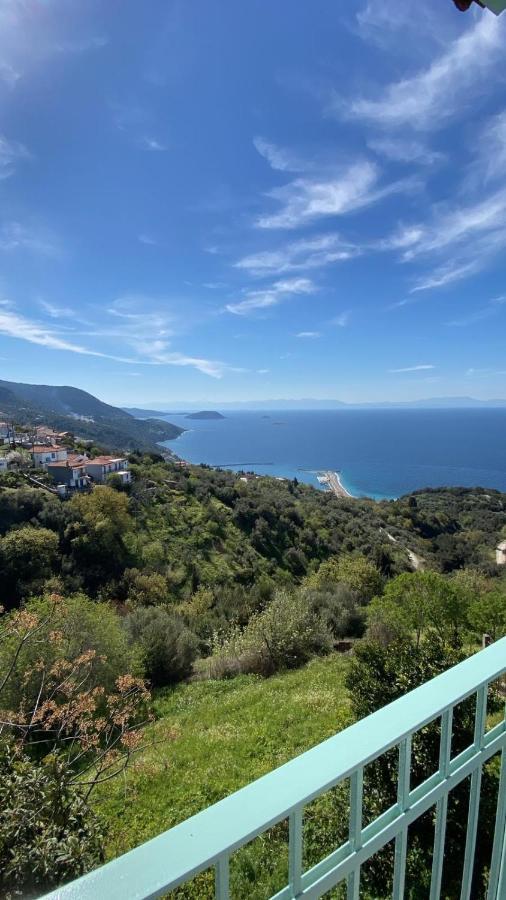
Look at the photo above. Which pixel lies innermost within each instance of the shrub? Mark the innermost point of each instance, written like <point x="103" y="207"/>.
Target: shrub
<point x="339" y="608"/>
<point x="48" y="833"/>
<point x="168" y="648"/>
<point x="285" y="635"/>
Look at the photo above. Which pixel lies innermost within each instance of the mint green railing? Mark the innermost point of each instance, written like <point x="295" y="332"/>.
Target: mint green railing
<point x="210" y="837"/>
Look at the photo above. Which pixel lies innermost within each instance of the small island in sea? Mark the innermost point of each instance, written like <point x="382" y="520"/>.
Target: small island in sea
<point x="205" y="414"/>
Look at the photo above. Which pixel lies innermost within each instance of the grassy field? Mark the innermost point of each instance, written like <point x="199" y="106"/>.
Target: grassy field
<point x="212" y="738"/>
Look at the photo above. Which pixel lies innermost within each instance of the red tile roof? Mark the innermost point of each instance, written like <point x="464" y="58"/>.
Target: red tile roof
<point x="41" y="448"/>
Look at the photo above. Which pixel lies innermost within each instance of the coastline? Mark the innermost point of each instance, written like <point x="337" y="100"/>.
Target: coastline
<point x="334" y="484"/>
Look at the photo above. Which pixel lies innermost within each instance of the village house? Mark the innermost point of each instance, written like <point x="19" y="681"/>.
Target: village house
<point x="70" y="473"/>
<point x="42" y="455"/>
<point x="103" y="466"/>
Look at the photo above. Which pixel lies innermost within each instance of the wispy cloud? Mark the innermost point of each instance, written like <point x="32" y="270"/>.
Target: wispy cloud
<point x="492" y="308"/>
<point x="57" y="312"/>
<point x="308" y="334"/>
<point x="10" y="153"/>
<point x="405" y="150"/>
<point x="146" y="352"/>
<point x="15" y="236"/>
<point x="310" y="253"/>
<point x="153" y="144"/>
<point x="342" y="320"/>
<point x="279" y="158"/>
<point x="422" y="368"/>
<point x="437" y="93"/>
<point x="271" y="296"/>
<point x="147" y="239"/>
<point x="306" y="200"/>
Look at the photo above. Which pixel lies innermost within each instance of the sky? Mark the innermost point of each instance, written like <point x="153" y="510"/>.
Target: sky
<point x="252" y="200"/>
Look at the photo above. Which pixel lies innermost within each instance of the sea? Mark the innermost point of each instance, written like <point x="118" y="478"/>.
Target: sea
<point x="379" y="453"/>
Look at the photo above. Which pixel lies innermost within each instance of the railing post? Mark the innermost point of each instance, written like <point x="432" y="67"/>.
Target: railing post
<point x="401" y="841"/>
<point x="474" y="796"/>
<point x="295" y="852"/>
<point x="222" y="878"/>
<point x="497" y="877"/>
<point x="356" y="799"/>
<point x="445" y="746"/>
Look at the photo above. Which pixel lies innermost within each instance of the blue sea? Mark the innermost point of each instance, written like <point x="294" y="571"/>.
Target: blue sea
<point x="380" y="453"/>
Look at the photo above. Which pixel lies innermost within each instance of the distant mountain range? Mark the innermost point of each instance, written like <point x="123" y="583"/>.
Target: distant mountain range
<point x="71" y="409"/>
<point x="181" y="408"/>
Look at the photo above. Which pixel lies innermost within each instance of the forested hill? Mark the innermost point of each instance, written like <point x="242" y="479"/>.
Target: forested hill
<point x="180" y="531"/>
<point x="71" y="409"/>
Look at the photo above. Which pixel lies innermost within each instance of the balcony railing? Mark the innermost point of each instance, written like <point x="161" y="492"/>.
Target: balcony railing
<point x="209" y="838"/>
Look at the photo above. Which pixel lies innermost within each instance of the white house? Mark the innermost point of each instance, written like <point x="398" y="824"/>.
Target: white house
<point x="102" y="466"/>
<point x="41" y="455"/>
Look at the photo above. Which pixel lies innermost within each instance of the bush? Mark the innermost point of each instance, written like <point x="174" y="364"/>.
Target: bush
<point x="285" y="635"/>
<point x="48" y="833"/>
<point x="168" y="648"/>
<point x="339" y="608"/>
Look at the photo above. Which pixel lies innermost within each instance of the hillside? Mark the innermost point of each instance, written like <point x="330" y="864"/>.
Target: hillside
<point x="71" y="409"/>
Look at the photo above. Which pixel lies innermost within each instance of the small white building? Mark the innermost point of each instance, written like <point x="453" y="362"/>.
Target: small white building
<point x="103" y="466"/>
<point x="42" y="455"/>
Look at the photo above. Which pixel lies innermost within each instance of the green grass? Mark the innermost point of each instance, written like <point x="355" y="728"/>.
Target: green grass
<point x="212" y="738"/>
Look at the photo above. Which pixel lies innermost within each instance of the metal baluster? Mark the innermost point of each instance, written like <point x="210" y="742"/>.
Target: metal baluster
<point x="474" y="796"/>
<point x="295" y="852"/>
<point x="445" y="746"/>
<point x="222" y="878"/>
<point x="356" y="799"/>
<point x="401" y="841"/>
<point x="498" y="861"/>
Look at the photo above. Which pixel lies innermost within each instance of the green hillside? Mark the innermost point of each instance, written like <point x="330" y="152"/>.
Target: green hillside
<point x="71" y="409"/>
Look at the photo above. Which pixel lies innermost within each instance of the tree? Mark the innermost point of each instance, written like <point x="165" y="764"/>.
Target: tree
<point x="100" y="523"/>
<point x="354" y="570"/>
<point x="57" y="744"/>
<point x="168" y="648"/>
<point x="416" y="601"/>
<point x="145" y="588"/>
<point x="487" y="614"/>
<point x="27" y="558"/>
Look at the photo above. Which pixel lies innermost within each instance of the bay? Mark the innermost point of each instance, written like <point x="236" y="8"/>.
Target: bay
<point x="380" y="453"/>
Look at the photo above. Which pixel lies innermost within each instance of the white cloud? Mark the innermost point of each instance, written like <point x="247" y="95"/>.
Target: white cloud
<point x="446" y="274"/>
<point x="491" y="151"/>
<point x="10" y="153"/>
<point x="405" y="150"/>
<point x="310" y="253"/>
<point x="151" y="143"/>
<point x="14" y="236"/>
<point x="435" y="94"/>
<point x="308" y="334"/>
<point x="271" y="296"/>
<point x="154" y="352"/>
<point x="492" y="308"/>
<point x="306" y="200"/>
<point x="423" y="368"/>
<point x="57" y="312"/>
<point x="341" y="320"/>
<point x="280" y="159"/>
<point x="263" y="371"/>
<point x="147" y="239"/>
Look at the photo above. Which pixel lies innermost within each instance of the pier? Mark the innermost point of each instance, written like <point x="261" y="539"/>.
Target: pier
<point x="333" y="483"/>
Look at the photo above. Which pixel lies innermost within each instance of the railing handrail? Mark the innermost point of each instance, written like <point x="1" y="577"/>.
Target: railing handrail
<point x="197" y="843"/>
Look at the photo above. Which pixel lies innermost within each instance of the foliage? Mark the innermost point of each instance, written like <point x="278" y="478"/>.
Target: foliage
<point x="421" y="601"/>
<point x="168" y="648"/>
<point x="376" y="677"/>
<point x="144" y="588"/>
<point x="211" y="738"/>
<point x="285" y="635"/>
<point x="27" y="556"/>
<point x="357" y="572"/>
<point x="48" y="833"/>
<point x="487" y="614"/>
<point x="61" y="735"/>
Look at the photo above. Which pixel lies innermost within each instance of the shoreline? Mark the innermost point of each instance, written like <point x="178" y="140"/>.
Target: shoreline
<point x="333" y="482"/>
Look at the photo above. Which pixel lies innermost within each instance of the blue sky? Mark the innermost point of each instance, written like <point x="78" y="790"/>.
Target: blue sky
<point x="249" y="200"/>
